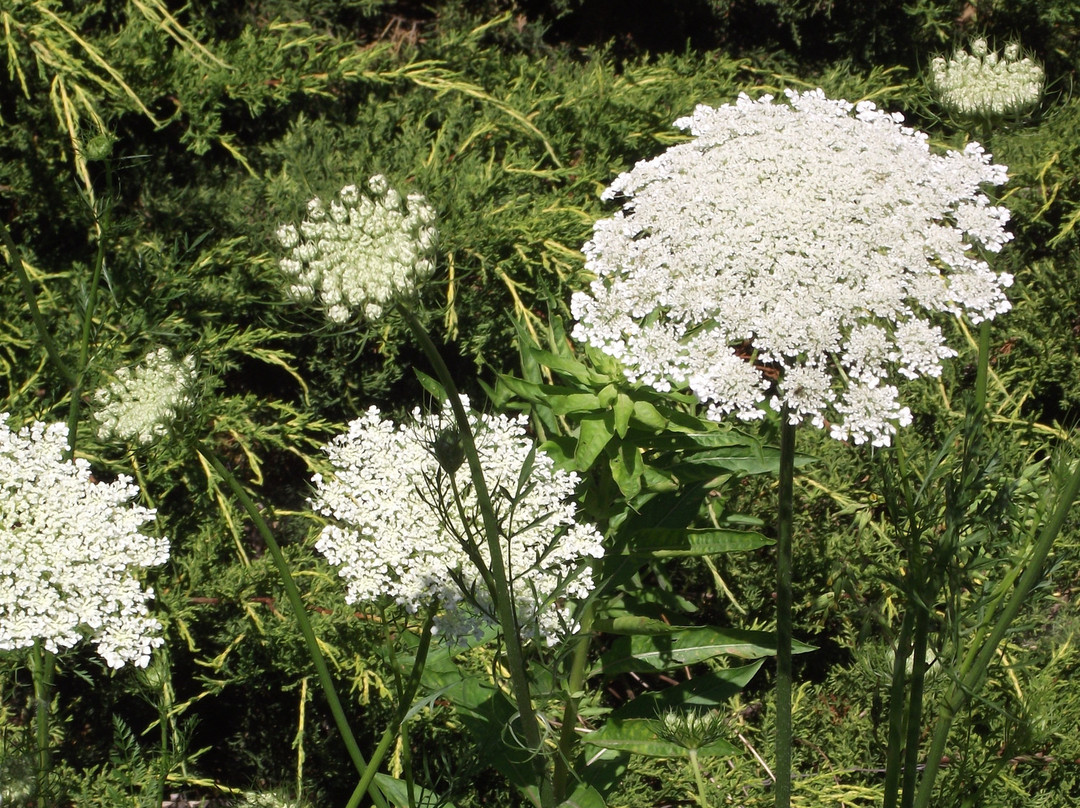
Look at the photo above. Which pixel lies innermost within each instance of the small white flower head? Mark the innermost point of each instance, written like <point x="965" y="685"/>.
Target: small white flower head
<point x="70" y="549"/>
<point x="983" y="86"/>
<point x="144" y="400"/>
<point x="794" y="254"/>
<point x="398" y="534"/>
<point x="361" y="253"/>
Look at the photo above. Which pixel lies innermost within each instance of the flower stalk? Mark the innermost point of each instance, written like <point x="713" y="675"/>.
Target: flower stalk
<point x="300" y="611"/>
<point x="504" y="604"/>
<point x="784" y="633"/>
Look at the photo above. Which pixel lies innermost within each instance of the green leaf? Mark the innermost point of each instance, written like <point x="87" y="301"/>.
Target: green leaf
<point x="687" y="646"/>
<point x="636" y="735"/>
<point x="584" y="796"/>
<point x="593" y="435"/>
<point x="624" y="408"/>
<point x="486" y="713"/>
<point x="648" y="416"/>
<point x="432" y="386"/>
<point x="633" y="624"/>
<point x="573" y="403"/>
<point x="397" y="792"/>
<point x="626" y="469"/>
<point x="676" y="543"/>
<point x="707" y="691"/>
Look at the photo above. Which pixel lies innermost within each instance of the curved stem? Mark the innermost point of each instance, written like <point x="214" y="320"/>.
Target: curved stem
<point x="51" y="348"/>
<point x="568" y="735"/>
<point x="970" y="677"/>
<point x="504" y="604"/>
<point x="88" y="313"/>
<point x="784" y="611"/>
<point x="300" y="610"/>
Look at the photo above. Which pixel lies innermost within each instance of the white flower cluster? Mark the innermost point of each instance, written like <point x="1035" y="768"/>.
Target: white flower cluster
<point x="983" y="86"/>
<point x="68" y="551"/>
<point x="362" y="252"/>
<point x="399" y="533"/>
<point x="144" y="400"/>
<point x="793" y="248"/>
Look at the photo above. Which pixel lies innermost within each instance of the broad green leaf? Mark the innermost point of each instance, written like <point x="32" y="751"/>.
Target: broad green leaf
<point x="633" y="624"/>
<point x="648" y="416"/>
<point x="674" y="543"/>
<point x="486" y="712"/>
<point x="574" y="403"/>
<point x="637" y="736"/>
<point x="652" y="602"/>
<point x="431" y="385"/>
<point x="624" y="408"/>
<point x="607" y="396"/>
<point x="567" y="366"/>
<point x="584" y="796"/>
<point x="707" y="691"/>
<point x="593" y="435"/>
<point x="397" y="792"/>
<point x="626" y="469"/>
<point x="689" y="646"/>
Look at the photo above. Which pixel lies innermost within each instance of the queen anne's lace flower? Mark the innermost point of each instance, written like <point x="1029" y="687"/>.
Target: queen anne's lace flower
<point x="362" y="251"/>
<point x="397" y="532"/>
<point x="68" y="551"/>
<point x="144" y="400"/>
<point x="981" y="85"/>
<point x="797" y="242"/>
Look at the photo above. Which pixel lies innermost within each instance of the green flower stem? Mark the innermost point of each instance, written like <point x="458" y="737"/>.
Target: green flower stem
<point x="88" y="314"/>
<point x="405" y="697"/>
<point x="51" y="348"/>
<point x="504" y="604"/>
<point x="568" y="735"/>
<point x="971" y="674"/>
<point x="43" y="665"/>
<point x="915" y="700"/>
<point x="982" y="368"/>
<point x="300" y="611"/>
<point x="695" y="764"/>
<point x="783" y="610"/>
<point x="897" y="703"/>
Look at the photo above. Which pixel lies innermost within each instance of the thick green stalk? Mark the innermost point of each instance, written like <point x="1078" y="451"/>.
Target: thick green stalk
<point x="300" y="610"/>
<point x="504" y="604"/>
<point x="783" y="611"/>
<point x="915" y="701"/>
<point x="897" y="712"/>
<point x="702" y="793"/>
<point x="982" y="369"/>
<point x="43" y="664"/>
<point x="568" y="735"/>
<point x="970" y="677"/>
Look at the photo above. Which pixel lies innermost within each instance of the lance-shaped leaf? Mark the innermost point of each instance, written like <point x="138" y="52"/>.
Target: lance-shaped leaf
<point x="687" y="646"/>
<point x="672" y="543"/>
<point x="638" y="736"/>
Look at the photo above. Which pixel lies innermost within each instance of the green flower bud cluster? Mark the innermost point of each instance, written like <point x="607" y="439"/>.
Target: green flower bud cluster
<point x="361" y="252"/>
<point x="981" y="85"/>
<point x="143" y="401"/>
